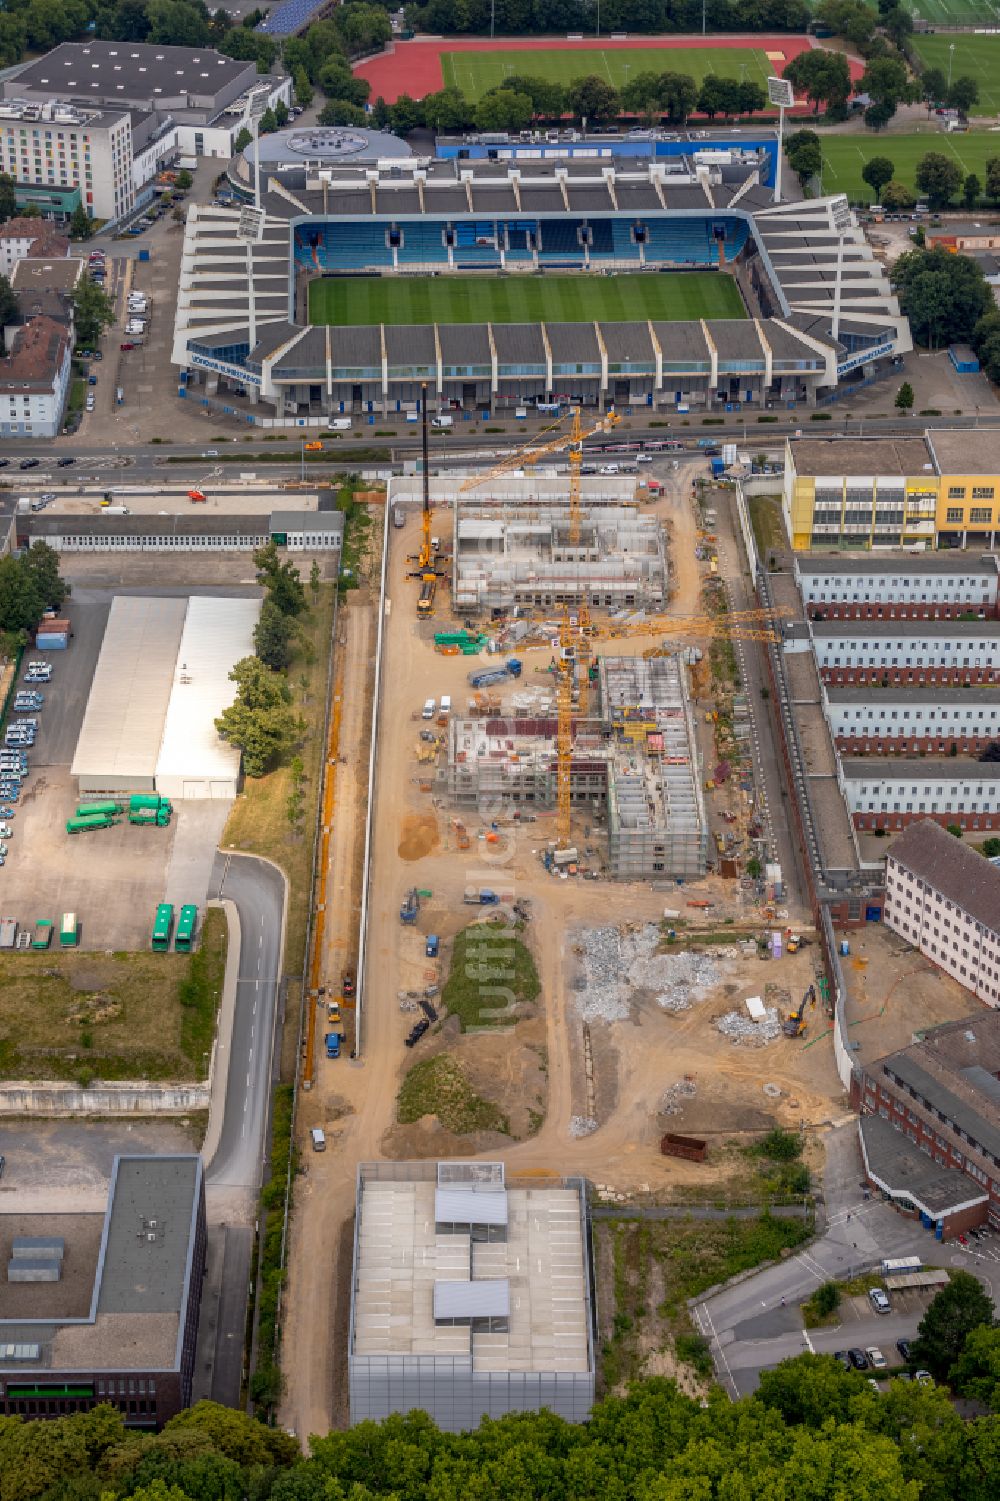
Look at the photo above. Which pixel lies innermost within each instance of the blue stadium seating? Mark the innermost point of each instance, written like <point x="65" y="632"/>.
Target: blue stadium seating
<point x="625" y="248"/>
<point x="476" y="244"/>
<point x="422" y="241"/>
<point x="602" y="238"/>
<point x="560" y="245"/>
<point x="343" y="245"/>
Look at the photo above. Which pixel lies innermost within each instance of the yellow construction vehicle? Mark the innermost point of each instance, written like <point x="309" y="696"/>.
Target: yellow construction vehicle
<point x="425" y="570"/>
<point x="795" y="1022"/>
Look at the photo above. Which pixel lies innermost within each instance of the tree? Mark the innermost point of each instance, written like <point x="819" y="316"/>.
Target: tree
<point x="8" y="197"/>
<point x="261" y="721"/>
<point x="184" y="181"/>
<point x="993" y="178"/>
<point x="8" y="305"/>
<point x="176" y="24"/>
<point x="887" y="83"/>
<point x="876" y="172"/>
<point x="805" y="156"/>
<point x="897" y="23"/>
<point x="548" y="100"/>
<point x="314" y="580"/>
<point x="824" y="77"/>
<point x="933" y="87"/>
<point x="42" y="564"/>
<point x="268" y="123"/>
<point x="951" y="1317"/>
<point x="678" y="95"/>
<point x="303" y="88"/>
<point x="896" y="195"/>
<point x="338" y="82"/>
<point x="943" y="295"/>
<point x="446" y="110"/>
<point x="750" y="97"/>
<point x="590" y="98"/>
<point x="80" y="226"/>
<point x="976" y="1372"/>
<point x="406" y="115"/>
<point x="341" y="112"/>
<point x="904" y="397"/>
<point x="963" y="94"/>
<point x="503" y="110"/>
<point x="242" y="141"/>
<point x="938" y="177"/>
<point x="281" y="113"/>
<point x="972" y="190"/>
<point x="714" y="95"/>
<point x="93" y="312"/>
<point x="281" y="580"/>
<point x="847" y="18"/>
<point x="807" y="1387"/>
<point x="29" y="584"/>
<point x="272" y="637"/>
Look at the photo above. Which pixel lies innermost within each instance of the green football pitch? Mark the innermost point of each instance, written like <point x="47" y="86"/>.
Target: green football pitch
<point x="975" y="57"/>
<point x="954" y="13"/>
<point x="524" y="299"/>
<point x="844" y="156"/>
<point x="477" y="72"/>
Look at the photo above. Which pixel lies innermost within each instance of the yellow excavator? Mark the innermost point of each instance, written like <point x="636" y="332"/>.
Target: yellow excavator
<point x="795" y="1021"/>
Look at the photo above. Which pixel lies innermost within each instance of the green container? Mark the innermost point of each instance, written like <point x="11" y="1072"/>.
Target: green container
<point x="95" y="821"/>
<point x="86" y="810"/>
<point x="140" y="800"/>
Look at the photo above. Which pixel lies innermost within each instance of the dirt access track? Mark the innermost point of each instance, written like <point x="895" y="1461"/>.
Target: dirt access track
<point x="635" y="1059"/>
<point x="414" y="68"/>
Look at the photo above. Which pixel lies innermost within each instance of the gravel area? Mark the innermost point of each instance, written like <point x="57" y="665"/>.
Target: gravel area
<point x="674" y="1097"/>
<point x="582" y="1125"/>
<point x="614" y="964"/>
<point x="738" y="1026"/>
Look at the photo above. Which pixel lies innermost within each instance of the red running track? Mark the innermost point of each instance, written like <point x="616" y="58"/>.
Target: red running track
<point x="414" y="68"/>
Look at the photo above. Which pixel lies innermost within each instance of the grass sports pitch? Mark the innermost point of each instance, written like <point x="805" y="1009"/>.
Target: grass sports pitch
<point x="955" y="13"/>
<point x="477" y="72"/>
<point x="975" y="57"/>
<point x="665" y="296"/>
<point x="844" y="156"/>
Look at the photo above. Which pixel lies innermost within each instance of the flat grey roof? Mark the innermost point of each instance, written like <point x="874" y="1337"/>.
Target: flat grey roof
<point x="147" y="1244"/>
<point x="879" y="630"/>
<point x="901" y="768"/>
<point x="484" y="1298"/>
<point x="951" y="867"/>
<point x="985" y="697"/>
<point x="968" y="451"/>
<point x="308" y="521"/>
<point x="836" y="456"/>
<point x="127" y="70"/>
<point x="901" y="1167"/>
<point x="470" y="1204"/>
<point x="951" y="561"/>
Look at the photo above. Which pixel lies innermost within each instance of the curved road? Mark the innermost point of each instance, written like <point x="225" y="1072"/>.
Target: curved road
<point x="233" y="1176"/>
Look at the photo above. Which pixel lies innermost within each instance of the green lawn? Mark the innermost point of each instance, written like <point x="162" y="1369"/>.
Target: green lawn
<point x="955" y="13"/>
<point x="844" y="156"/>
<point x="476" y="72"/>
<point x="976" y="57"/>
<point x="524" y="299"/>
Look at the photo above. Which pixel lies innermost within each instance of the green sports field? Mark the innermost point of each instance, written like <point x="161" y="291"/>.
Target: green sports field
<point x="955" y="13"/>
<point x="976" y="57"/>
<point x="844" y="156"/>
<point x="524" y="299"/>
<point x="477" y="72"/>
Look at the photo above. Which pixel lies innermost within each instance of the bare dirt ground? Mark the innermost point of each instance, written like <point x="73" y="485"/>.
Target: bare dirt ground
<point x="634" y="1060"/>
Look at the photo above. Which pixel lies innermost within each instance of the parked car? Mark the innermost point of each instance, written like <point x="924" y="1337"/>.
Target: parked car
<point x="332" y="1044"/>
<point x="925" y="1378"/>
<point x="857" y="1359"/>
<point x="903" y="1346"/>
<point x="64" y="463"/>
<point x="879" y="1300"/>
<point x="29" y="464"/>
<point x="125" y="347"/>
<point x="876" y="1359"/>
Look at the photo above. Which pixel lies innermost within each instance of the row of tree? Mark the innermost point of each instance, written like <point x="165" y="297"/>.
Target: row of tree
<point x="262" y="721"/>
<point x="29" y="585"/>
<point x="641" y="17"/>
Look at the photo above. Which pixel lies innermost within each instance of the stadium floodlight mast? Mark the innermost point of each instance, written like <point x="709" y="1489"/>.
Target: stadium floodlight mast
<point x="840" y="220"/>
<point x="779" y="92"/>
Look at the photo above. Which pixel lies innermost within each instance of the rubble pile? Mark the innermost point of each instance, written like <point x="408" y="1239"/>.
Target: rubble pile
<point x="581" y="1125"/>
<point x="738" y="1027"/>
<point x="615" y="963"/>
<point x="673" y="1099"/>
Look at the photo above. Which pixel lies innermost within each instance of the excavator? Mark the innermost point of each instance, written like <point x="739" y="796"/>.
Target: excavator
<point x="795" y="1022"/>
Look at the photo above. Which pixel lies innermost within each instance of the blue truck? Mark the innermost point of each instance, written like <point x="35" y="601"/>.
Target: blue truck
<point x="485" y="677"/>
<point x="432" y="946"/>
<point x="332" y="1040"/>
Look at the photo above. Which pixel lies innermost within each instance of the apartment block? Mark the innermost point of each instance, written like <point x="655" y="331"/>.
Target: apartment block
<point x="84" y="153"/>
<point x="934" y="586"/>
<point x="886" y="794"/>
<point x="944" y="899"/>
<point x="920" y="653"/>
<point x="34" y="380"/>
<point x="912" y="721"/>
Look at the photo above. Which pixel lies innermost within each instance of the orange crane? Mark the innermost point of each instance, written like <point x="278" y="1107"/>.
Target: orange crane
<point x="529" y="454"/>
<point x="577" y="632"/>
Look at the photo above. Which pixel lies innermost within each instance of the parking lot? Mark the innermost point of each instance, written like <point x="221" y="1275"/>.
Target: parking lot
<point x="112" y="879"/>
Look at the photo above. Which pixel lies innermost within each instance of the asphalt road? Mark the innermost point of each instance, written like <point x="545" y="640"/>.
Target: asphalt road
<point x="233" y="1176"/>
<point x="755" y="1324"/>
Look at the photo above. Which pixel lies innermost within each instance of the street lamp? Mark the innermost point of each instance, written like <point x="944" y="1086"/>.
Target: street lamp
<point x="779" y="92"/>
<point x="951" y="59"/>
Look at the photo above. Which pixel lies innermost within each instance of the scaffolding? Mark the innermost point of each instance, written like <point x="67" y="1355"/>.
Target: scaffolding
<point x="634" y="761"/>
<point x="528" y="557"/>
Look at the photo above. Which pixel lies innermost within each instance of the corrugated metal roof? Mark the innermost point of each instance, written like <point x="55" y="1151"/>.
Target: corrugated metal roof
<point x="217" y="633"/>
<point x="470" y="1204"/>
<point x="127" y="707"/>
<point x="485" y="1298"/>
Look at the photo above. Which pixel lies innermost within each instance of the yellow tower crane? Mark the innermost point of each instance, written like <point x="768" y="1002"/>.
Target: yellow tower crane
<point x="575" y="635"/>
<point x="529" y="455"/>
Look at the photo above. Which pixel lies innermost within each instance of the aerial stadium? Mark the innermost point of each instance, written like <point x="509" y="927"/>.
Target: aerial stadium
<point x="670" y="285"/>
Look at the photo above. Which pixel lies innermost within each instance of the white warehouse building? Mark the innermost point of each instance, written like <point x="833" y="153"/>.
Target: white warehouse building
<point x="929" y="586"/>
<point x="916" y="720"/>
<point x="161" y="681"/>
<point x="888" y="793"/>
<point x="907" y="651"/>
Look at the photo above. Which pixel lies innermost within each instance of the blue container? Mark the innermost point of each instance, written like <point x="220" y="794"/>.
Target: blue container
<point x="144" y="255"/>
<point x="845" y="947"/>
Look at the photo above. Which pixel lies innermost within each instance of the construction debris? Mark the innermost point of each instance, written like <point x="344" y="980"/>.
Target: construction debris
<point x="737" y="1026"/>
<point x="616" y="963"/>
<point x="671" y="1103"/>
<point x="582" y="1125"/>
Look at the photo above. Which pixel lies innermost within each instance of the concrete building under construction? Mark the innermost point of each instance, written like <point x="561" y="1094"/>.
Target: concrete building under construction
<point x="635" y="766"/>
<point x="524" y="556"/>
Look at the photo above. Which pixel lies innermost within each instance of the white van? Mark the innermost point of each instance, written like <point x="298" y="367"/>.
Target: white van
<point x="341" y="424"/>
<point x="429" y="709"/>
<point x="446" y="703"/>
<point x="318" y="1139"/>
<point x="441" y="422"/>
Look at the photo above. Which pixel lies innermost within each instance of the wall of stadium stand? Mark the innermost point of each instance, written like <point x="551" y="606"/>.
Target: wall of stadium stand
<point x="843" y="1047"/>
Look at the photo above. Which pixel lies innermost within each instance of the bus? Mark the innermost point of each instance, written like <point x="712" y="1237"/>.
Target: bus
<point x="68" y="931"/>
<point x="901" y="1265"/>
<point x="186" y="923"/>
<point x="162" y="927"/>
